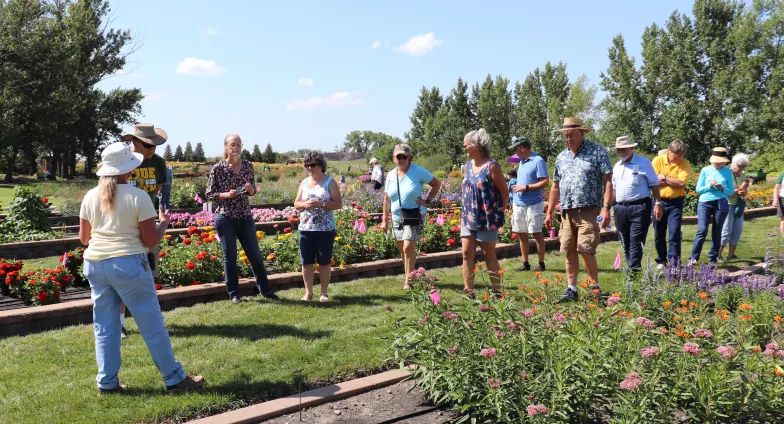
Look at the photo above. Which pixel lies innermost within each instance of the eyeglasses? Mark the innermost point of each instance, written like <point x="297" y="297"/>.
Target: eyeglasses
<point x="743" y="166"/>
<point x="310" y="165"/>
<point x="401" y="157"/>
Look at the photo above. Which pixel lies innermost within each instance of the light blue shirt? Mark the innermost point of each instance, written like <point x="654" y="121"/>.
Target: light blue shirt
<point x="722" y="176"/>
<point x="529" y="172"/>
<point x="633" y="180"/>
<point x="410" y="189"/>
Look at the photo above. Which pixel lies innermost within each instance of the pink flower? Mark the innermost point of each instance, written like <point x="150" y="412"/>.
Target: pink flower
<point x="646" y="323"/>
<point x="494" y="384"/>
<point x="389" y="308"/>
<point x="198" y="199"/>
<point x="452" y="350"/>
<point x="772" y="346"/>
<point x="559" y="318"/>
<point x="650" y="351"/>
<point x="534" y="410"/>
<point x="440" y="220"/>
<point x="726" y="351"/>
<point x="617" y="263"/>
<point x="484" y="308"/>
<point x="691" y="349"/>
<point x="769" y="352"/>
<point x="612" y="301"/>
<point x="488" y="353"/>
<point x="703" y="333"/>
<point x="435" y="297"/>
<point x="527" y="313"/>
<point x="450" y="315"/>
<point x="595" y="323"/>
<point x="362" y="227"/>
<point x="523" y="375"/>
<point x="470" y="324"/>
<point x="631" y="381"/>
<point x="499" y="335"/>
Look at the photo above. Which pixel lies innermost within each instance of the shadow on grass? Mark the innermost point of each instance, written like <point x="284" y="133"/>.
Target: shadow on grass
<point x="340" y="301"/>
<point x="246" y="331"/>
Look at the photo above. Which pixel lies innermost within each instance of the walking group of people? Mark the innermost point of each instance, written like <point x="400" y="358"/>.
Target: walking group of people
<point x="118" y="220"/>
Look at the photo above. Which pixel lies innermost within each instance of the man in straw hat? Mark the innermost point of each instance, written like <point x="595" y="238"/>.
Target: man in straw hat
<point x="527" y="199"/>
<point x="714" y="185"/>
<point x="673" y="171"/>
<point x="633" y="181"/>
<point x="149" y="177"/>
<point x="582" y="172"/>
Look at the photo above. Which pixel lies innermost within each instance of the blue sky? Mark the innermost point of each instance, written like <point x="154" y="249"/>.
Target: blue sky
<point x="304" y="74"/>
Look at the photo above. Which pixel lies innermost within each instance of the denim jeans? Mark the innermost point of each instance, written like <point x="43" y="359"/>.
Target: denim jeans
<point x="733" y="227"/>
<point x="230" y="230"/>
<point x="709" y="213"/>
<point x="672" y="217"/>
<point x="127" y="279"/>
<point x="165" y="200"/>
<point x="633" y="222"/>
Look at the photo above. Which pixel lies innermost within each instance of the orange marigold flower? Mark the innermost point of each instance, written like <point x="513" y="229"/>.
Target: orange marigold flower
<point x="558" y="276"/>
<point x="584" y="285"/>
<point x="778" y="371"/>
<point x="667" y="304"/>
<point x="692" y="305"/>
<point x="537" y="274"/>
<point x="746" y="317"/>
<point x="755" y="349"/>
<point x="486" y="297"/>
<point x="519" y="287"/>
<point x="702" y="295"/>
<point x="592" y="306"/>
<point x="745" y="307"/>
<point x="544" y="281"/>
<point x="676" y="318"/>
<point x="777" y="318"/>
<point x="502" y="272"/>
<point x="684" y="302"/>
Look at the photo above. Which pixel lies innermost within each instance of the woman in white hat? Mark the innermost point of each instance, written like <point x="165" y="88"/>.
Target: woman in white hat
<point x="117" y="224"/>
<point x="377" y="176"/>
<point x="714" y="185"/>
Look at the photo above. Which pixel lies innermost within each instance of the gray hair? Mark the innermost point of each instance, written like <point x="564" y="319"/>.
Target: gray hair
<point x="740" y="159"/>
<point x="317" y="158"/>
<point x="480" y="138"/>
<point x="677" y="146"/>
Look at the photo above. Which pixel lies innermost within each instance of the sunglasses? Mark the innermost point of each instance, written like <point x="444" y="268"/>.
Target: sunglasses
<point x="401" y="157"/>
<point x="311" y="165"/>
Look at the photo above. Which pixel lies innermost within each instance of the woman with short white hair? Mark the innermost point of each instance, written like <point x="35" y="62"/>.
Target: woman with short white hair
<point x="733" y="225"/>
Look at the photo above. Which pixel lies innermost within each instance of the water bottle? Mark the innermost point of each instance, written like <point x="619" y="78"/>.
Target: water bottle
<point x="599" y="221"/>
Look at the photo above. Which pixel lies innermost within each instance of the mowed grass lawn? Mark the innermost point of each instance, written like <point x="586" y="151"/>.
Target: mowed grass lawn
<point x="247" y="352"/>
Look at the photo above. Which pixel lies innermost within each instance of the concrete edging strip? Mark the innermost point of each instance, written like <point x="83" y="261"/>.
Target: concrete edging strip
<point x="281" y="406"/>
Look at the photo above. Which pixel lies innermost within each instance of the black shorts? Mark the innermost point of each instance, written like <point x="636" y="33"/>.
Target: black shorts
<point x="780" y="208"/>
<point x="315" y="247"/>
<point x="377" y="185"/>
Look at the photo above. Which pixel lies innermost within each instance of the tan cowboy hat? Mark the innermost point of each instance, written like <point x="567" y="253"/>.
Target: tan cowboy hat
<point x="147" y="134"/>
<point x="118" y="159"/>
<point x="573" y="124"/>
<point x="719" y="155"/>
<point x="624" y="142"/>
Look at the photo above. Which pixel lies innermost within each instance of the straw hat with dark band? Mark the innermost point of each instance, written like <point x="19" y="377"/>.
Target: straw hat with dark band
<point x="573" y="124"/>
<point x="719" y="155"/>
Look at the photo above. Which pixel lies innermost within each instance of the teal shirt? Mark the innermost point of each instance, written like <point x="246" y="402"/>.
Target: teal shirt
<point x="722" y="176"/>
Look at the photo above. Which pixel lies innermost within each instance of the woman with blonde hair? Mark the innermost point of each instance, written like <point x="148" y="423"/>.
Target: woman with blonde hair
<point x="229" y="186"/>
<point x="117" y="224"/>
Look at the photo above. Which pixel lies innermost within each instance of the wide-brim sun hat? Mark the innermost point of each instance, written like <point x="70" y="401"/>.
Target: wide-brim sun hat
<point x="118" y="159"/>
<point x="573" y="124"/>
<point x="719" y="155"/>
<point x="148" y="134"/>
<point x="624" y="142"/>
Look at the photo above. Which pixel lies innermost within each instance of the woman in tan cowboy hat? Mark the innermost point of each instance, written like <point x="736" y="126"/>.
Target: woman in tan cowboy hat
<point x="117" y="224"/>
<point x="714" y="185"/>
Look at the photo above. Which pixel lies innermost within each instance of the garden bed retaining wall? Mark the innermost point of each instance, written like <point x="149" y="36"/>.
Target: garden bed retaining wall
<point x="22" y="321"/>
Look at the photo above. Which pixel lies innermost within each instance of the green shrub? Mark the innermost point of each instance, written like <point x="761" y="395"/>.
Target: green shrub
<point x="440" y="174"/>
<point x="435" y="162"/>
<point x="70" y="207"/>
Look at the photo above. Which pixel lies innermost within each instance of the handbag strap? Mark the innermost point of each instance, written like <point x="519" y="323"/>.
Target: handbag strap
<point x="400" y="202"/>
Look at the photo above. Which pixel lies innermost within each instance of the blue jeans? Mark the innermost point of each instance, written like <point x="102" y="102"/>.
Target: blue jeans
<point x="165" y="201"/>
<point x="672" y="216"/>
<point x="230" y="230"/>
<point x="713" y="212"/>
<point x="127" y="279"/>
<point x="733" y="227"/>
<point x="633" y="222"/>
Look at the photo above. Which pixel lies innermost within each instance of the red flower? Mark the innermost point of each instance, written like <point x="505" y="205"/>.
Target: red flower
<point x="32" y="282"/>
<point x="195" y="283"/>
<point x="186" y="242"/>
<point x="190" y="265"/>
<point x="287" y="230"/>
<point x="45" y="199"/>
<point x="450" y="242"/>
<point x="514" y="236"/>
<point x="42" y="296"/>
<point x="161" y="254"/>
<point x="293" y="220"/>
<point x="192" y="230"/>
<point x="158" y="287"/>
<point x="213" y="258"/>
<point x="57" y="294"/>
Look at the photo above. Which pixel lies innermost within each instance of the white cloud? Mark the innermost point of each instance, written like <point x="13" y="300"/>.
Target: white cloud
<point x="156" y="96"/>
<point x="209" y="31"/>
<point x="305" y="82"/>
<point x="376" y="44"/>
<point x="199" y="67"/>
<point x="418" y="45"/>
<point x="339" y="99"/>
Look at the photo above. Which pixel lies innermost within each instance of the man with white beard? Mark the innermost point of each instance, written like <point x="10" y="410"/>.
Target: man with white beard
<point x="633" y="181"/>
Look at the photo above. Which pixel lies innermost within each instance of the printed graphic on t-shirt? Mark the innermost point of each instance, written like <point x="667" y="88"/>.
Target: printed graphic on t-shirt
<point x="144" y="179"/>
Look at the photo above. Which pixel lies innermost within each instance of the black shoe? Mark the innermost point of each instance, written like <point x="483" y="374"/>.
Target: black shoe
<point x="732" y="258"/>
<point x="524" y="267"/>
<point x="569" y="296"/>
<point x="123" y="333"/>
<point x="271" y="296"/>
<point x="235" y="299"/>
<point x="119" y="389"/>
<point x="540" y="268"/>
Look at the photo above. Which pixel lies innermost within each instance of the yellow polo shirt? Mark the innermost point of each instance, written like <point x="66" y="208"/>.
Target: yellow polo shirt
<point x="679" y="170"/>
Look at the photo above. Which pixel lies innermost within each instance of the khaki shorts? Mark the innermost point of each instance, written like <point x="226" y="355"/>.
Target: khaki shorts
<point x="579" y="230"/>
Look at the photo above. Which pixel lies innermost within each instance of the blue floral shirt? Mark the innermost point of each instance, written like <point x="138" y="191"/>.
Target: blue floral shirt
<point x="581" y="175"/>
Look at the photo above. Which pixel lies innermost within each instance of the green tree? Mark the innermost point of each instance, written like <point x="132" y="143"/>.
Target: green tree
<point x="366" y="141"/>
<point x="188" y="152"/>
<point x="269" y="155"/>
<point x="198" y="153"/>
<point x="179" y="156"/>
<point x="245" y="154"/>
<point x="495" y="114"/>
<point x="167" y="153"/>
<point x="428" y="104"/>
<point x="256" y="155"/>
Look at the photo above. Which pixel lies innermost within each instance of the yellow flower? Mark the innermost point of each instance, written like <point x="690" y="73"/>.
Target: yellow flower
<point x="338" y="238"/>
<point x="200" y="221"/>
<point x="343" y="265"/>
<point x="289" y="235"/>
<point x="347" y="246"/>
<point x="280" y="237"/>
<point x="454" y="222"/>
<point x="208" y="228"/>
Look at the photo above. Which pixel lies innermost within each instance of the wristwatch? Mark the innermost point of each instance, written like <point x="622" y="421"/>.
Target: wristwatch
<point x="526" y="187"/>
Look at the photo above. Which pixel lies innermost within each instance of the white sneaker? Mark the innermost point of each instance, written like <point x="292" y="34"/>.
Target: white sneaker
<point x="660" y="267"/>
<point x="692" y="261"/>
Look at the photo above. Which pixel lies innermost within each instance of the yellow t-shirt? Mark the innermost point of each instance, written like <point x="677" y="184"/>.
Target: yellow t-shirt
<point x="679" y="170"/>
<point x="117" y="234"/>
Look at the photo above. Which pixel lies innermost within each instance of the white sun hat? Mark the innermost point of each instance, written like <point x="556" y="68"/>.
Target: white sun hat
<point x="118" y="159"/>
